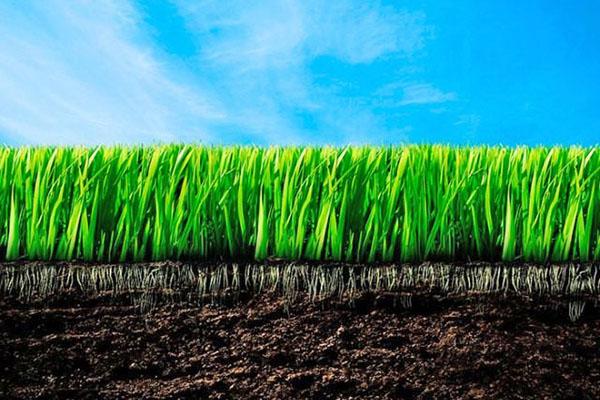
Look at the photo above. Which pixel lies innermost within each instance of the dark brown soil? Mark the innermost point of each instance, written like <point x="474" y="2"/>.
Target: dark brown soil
<point x="440" y="349"/>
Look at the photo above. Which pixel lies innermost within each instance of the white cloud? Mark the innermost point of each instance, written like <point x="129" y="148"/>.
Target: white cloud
<point x="468" y="119"/>
<point x="410" y="93"/>
<point x="470" y="125"/>
<point x="415" y="93"/>
<point x="364" y="32"/>
<point x="425" y="93"/>
<point x="258" y="35"/>
<point x="275" y="33"/>
<point x="260" y="53"/>
<point x="83" y="73"/>
<point x="89" y="72"/>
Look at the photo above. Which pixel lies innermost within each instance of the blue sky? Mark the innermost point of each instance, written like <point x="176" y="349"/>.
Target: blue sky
<point x="300" y="72"/>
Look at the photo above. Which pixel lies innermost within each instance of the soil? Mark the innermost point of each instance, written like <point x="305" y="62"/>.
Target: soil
<point x="261" y="348"/>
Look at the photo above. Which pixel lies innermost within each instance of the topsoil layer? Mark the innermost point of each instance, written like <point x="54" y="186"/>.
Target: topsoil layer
<point x="440" y="349"/>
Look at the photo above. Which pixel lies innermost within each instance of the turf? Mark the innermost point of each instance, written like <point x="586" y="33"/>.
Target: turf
<point x="354" y="204"/>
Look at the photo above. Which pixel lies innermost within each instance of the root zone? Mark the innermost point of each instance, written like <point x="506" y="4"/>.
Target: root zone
<point x="147" y="284"/>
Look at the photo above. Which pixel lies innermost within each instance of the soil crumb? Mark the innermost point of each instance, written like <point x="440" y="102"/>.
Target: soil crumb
<point x="263" y="348"/>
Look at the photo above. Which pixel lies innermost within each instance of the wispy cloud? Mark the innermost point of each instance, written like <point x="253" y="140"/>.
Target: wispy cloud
<point x="469" y="125"/>
<point x="414" y="93"/>
<point x="425" y="94"/>
<point x="261" y="53"/>
<point x="83" y="73"/>
<point x="279" y="33"/>
<point x="95" y="72"/>
<point x="363" y="32"/>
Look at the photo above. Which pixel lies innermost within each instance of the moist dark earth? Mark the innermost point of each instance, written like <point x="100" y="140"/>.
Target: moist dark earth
<point x="260" y="348"/>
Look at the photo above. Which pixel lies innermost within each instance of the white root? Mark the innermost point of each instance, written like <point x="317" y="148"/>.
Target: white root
<point x="146" y="283"/>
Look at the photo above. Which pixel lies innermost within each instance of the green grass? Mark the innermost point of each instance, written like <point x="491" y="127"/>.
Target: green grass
<point x="353" y="204"/>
